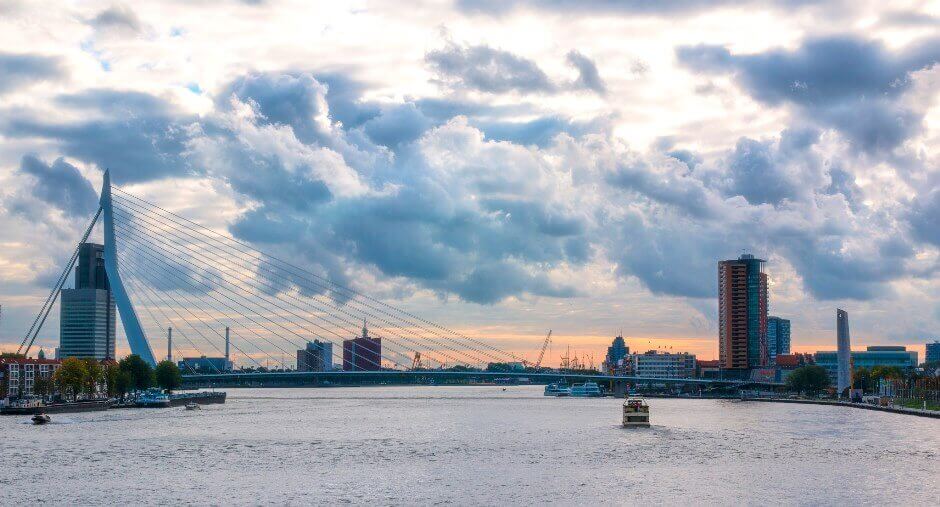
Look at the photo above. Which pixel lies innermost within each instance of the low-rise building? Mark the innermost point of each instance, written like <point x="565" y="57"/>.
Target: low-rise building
<point x="18" y="375"/>
<point x="707" y="368"/>
<point x="875" y="355"/>
<point x="657" y="364"/>
<point x="204" y="365"/>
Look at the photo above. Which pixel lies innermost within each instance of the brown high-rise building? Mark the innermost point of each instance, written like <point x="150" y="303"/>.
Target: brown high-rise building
<point x="742" y="313"/>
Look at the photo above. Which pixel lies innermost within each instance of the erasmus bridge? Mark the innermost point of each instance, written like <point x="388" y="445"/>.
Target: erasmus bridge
<point x="171" y="277"/>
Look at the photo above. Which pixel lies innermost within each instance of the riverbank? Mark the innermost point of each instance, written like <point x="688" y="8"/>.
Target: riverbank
<point x="897" y="410"/>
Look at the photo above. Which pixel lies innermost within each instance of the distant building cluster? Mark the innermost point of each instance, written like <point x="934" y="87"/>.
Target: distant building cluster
<point x="650" y="364"/>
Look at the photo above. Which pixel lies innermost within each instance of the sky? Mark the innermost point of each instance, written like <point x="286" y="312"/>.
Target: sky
<point x="500" y="168"/>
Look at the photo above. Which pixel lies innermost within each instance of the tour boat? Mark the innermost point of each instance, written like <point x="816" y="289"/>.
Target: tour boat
<point x="636" y="413"/>
<point x="587" y="390"/>
<point x="41" y="419"/>
<point x="557" y="389"/>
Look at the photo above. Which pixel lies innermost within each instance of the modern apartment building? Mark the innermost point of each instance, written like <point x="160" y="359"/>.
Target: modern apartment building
<point x="742" y="313"/>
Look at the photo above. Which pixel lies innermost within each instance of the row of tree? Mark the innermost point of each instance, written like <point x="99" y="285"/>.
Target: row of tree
<point x="76" y="377"/>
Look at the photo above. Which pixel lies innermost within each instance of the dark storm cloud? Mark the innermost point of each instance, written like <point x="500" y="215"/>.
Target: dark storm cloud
<point x="588" y="76"/>
<point x="668" y="186"/>
<point x="540" y="132"/>
<point x="61" y="186"/>
<point x="118" y="18"/>
<point x="829" y="272"/>
<point x="756" y="175"/>
<point x="117" y="102"/>
<point x="924" y="217"/>
<point x="844" y="82"/>
<point x="18" y="70"/>
<point x="397" y="125"/>
<point x="498" y="71"/>
<point x="487" y="69"/>
<point x="135" y="149"/>
<point x="291" y="99"/>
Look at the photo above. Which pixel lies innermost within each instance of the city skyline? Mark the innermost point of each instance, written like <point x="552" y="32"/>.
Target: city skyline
<point x="585" y="179"/>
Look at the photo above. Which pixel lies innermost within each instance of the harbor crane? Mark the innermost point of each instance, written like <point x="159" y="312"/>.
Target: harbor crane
<point x="548" y="339"/>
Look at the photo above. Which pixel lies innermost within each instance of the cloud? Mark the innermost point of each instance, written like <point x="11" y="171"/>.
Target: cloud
<point x="487" y="69"/>
<point x="842" y="82"/>
<point x="19" y="70"/>
<point x="60" y="186"/>
<point x="588" y="77"/>
<point x="117" y="19"/>
<point x="492" y="70"/>
<point x="924" y="217"/>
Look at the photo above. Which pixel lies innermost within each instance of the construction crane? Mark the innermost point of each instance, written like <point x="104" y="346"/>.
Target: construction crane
<point x="542" y="352"/>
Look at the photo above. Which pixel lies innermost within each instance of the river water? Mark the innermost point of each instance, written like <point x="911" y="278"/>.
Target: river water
<point x="470" y="446"/>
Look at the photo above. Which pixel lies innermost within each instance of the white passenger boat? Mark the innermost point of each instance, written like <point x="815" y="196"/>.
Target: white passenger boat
<point x="587" y="390"/>
<point x="636" y="413"/>
<point x="557" y="389"/>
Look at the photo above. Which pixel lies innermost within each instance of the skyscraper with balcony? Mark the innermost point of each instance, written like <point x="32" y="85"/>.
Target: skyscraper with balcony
<point x="87" y="312"/>
<point x="742" y="313"/>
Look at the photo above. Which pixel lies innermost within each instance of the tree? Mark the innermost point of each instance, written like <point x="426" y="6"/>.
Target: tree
<point x="861" y="379"/>
<point x="111" y="372"/>
<point x="141" y="374"/>
<point x="808" y="379"/>
<point x="94" y="374"/>
<point x="168" y="375"/>
<point x="70" y="377"/>
<point x="887" y="373"/>
<point x="42" y="386"/>
<point x="122" y="383"/>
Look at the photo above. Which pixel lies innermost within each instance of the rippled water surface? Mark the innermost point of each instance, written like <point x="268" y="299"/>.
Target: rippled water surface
<point x="470" y="446"/>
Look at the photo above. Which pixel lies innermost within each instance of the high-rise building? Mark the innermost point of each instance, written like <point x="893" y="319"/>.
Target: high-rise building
<point x="742" y="313"/>
<point x="843" y="352"/>
<point x="616" y="353"/>
<point x="87" y="312"/>
<point x="362" y="353"/>
<point x="778" y="337"/>
<point x="933" y="352"/>
<point x="317" y="356"/>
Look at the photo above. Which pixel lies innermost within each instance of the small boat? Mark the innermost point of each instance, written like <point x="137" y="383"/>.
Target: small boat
<point x="41" y="419"/>
<point x="587" y="390"/>
<point x="557" y="389"/>
<point x="193" y="406"/>
<point x="636" y="413"/>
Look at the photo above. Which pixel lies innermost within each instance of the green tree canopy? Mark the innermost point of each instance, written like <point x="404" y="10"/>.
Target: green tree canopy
<point x="808" y="379"/>
<point x="140" y="373"/>
<point x="168" y="375"/>
<point x="70" y="377"/>
<point x="94" y="374"/>
<point x="861" y="379"/>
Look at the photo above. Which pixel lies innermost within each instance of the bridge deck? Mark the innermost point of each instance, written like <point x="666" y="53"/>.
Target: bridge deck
<point x="468" y="375"/>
